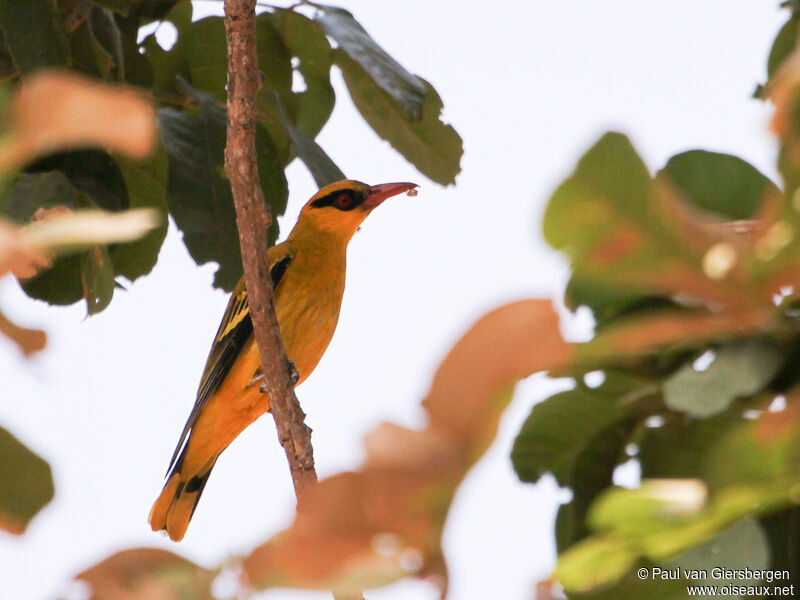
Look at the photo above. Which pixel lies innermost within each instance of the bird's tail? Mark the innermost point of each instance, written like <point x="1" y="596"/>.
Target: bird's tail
<point x="174" y="507"/>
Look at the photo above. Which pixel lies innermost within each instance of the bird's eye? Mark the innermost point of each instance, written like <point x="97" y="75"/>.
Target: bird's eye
<point x="344" y="201"/>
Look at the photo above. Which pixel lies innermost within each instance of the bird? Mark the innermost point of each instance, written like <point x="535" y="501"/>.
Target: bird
<point x="308" y="280"/>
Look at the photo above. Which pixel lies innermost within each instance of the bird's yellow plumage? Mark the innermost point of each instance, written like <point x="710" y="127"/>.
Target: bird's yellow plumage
<point x="308" y="275"/>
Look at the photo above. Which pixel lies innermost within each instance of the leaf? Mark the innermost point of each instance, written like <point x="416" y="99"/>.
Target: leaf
<point x="7" y="67"/>
<point x="59" y="284"/>
<point x="97" y="279"/>
<point x="306" y="43"/>
<point x="107" y="39"/>
<point x="720" y="183"/>
<point x="33" y="191"/>
<point x="678" y="449"/>
<point x="738" y="369"/>
<point x="120" y="6"/>
<point x="407" y="90"/>
<point x="206" y="56"/>
<point x="628" y="236"/>
<point x="167" y="65"/>
<point x="34" y="33"/>
<point x="92" y="172"/>
<point x="740" y="546"/>
<point x="319" y="164"/>
<point x="74" y="277"/>
<point x="198" y="193"/>
<point x="782" y="47"/>
<point x="56" y="111"/>
<point x="433" y="147"/>
<point x="750" y="469"/>
<point x="384" y="521"/>
<point x="659" y="521"/>
<point x="783" y="532"/>
<point x="26" y="484"/>
<point x="671" y="329"/>
<point x="559" y="430"/>
<point x="579" y="436"/>
<point x="145" y="574"/>
<point x="69" y="232"/>
<point x="29" y="341"/>
<point x="728" y="550"/>
<point x="146" y="184"/>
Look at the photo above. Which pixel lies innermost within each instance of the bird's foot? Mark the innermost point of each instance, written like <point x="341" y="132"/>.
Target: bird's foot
<point x="294" y="374"/>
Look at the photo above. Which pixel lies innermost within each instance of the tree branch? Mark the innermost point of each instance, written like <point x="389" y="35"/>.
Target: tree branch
<point x="252" y="219"/>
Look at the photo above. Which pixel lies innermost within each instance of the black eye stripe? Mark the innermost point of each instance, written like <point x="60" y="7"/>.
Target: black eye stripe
<point x="330" y="200"/>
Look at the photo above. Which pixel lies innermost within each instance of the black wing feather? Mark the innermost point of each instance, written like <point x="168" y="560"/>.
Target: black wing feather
<point x="231" y="338"/>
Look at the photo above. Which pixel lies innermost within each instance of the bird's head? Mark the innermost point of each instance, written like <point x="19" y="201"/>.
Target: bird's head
<point x="340" y="207"/>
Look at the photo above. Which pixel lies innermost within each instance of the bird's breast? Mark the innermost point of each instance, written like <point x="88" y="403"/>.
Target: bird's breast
<point x="307" y="306"/>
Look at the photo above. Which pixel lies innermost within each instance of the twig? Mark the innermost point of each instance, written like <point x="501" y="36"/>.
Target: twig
<point x="253" y="219"/>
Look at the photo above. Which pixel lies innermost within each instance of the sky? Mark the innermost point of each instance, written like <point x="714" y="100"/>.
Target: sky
<point x="529" y="85"/>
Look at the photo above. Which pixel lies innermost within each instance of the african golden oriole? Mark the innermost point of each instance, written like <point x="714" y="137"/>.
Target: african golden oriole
<point x="308" y="275"/>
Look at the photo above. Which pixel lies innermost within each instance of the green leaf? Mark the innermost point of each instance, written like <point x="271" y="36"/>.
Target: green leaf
<point x="60" y="284"/>
<point x="738" y="369"/>
<point x="783" y="532"/>
<point x="663" y="519"/>
<point x="97" y="279"/>
<point x="728" y="550"/>
<point x="720" y="183"/>
<point x="89" y="275"/>
<point x="26" y="484"/>
<point x="166" y="65"/>
<point x="628" y="236"/>
<point x="34" y="34"/>
<point x="206" y="56"/>
<point x="7" y="67"/>
<point x="407" y="90"/>
<point x="560" y="430"/>
<point x="93" y="172"/>
<point x="594" y="563"/>
<point x="32" y="191"/>
<point x="120" y="6"/>
<point x="146" y="182"/>
<point x="785" y="42"/>
<point x="107" y="40"/>
<point x="322" y="168"/>
<point x="434" y="148"/>
<point x="307" y="44"/>
<point x="198" y="193"/>
<point x="678" y="448"/>
<point x="741" y="546"/>
<point x="610" y="181"/>
<point x="579" y="436"/>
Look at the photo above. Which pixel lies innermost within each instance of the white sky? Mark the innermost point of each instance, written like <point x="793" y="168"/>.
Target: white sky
<point x="529" y="86"/>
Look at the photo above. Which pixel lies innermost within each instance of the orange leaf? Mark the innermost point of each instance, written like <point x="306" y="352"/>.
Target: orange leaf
<point x="384" y="522"/>
<point x="28" y="340"/>
<point x="54" y="111"/>
<point x="147" y="574"/>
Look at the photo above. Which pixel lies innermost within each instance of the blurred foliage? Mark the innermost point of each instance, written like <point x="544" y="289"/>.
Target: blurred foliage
<point x="57" y="112"/>
<point x="186" y="81"/>
<point x="712" y="417"/>
<point x="691" y="274"/>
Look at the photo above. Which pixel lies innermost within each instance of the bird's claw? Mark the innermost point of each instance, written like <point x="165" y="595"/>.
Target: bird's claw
<point x="294" y="374"/>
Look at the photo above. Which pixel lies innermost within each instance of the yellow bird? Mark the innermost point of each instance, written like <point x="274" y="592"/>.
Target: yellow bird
<point x="308" y="276"/>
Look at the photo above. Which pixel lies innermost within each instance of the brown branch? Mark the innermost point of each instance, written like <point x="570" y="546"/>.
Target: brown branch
<point x="252" y="219"/>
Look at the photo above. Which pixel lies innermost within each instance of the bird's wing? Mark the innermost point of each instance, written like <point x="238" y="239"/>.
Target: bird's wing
<point x="233" y="333"/>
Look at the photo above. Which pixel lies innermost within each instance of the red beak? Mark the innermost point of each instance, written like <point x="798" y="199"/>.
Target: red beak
<point x="379" y="193"/>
